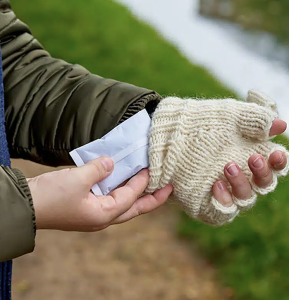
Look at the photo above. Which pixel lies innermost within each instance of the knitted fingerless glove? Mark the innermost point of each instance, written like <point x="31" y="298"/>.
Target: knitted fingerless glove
<point x="192" y="140"/>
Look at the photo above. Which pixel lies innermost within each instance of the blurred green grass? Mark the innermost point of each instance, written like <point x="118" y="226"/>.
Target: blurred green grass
<point x="252" y="253"/>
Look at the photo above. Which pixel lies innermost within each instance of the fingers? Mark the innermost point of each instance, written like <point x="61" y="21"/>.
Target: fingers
<point x="278" y="127"/>
<point x="222" y="194"/>
<point x="278" y="160"/>
<point x="263" y="180"/>
<point x="122" y="199"/>
<point x="95" y="171"/>
<point x="241" y="187"/>
<point x="145" y="205"/>
<point x="123" y="184"/>
<point x="262" y="174"/>
<point x="242" y="194"/>
<point x="133" y="188"/>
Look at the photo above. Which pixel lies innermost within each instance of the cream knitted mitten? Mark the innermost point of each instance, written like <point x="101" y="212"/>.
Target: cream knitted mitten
<point x="192" y="140"/>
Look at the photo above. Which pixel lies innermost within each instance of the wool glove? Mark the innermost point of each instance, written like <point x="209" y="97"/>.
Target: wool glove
<point x="192" y="140"/>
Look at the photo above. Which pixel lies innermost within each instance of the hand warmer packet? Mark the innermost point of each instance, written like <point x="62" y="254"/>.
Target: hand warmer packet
<point x="126" y="144"/>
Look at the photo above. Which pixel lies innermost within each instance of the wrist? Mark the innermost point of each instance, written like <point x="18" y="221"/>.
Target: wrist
<point x="36" y="197"/>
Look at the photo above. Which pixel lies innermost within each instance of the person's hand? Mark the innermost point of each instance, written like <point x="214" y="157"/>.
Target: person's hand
<point x="63" y="201"/>
<point x="261" y="170"/>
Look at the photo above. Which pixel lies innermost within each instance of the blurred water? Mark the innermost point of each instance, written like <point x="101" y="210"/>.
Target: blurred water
<point x="239" y="60"/>
<point x="261" y="43"/>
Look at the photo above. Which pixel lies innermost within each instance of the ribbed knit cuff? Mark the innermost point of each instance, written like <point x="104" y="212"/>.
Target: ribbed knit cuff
<point x="148" y="102"/>
<point x="26" y="190"/>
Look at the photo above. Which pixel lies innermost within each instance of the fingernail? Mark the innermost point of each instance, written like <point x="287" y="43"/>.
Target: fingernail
<point x="280" y="161"/>
<point x="258" y="163"/>
<point x="107" y="163"/>
<point x="221" y="186"/>
<point x="232" y="170"/>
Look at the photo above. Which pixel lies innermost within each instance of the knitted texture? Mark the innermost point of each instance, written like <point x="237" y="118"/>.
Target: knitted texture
<point x="192" y="140"/>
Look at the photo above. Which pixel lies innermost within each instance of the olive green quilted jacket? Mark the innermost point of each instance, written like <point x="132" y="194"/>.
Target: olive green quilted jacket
<point x="51" y="107"/>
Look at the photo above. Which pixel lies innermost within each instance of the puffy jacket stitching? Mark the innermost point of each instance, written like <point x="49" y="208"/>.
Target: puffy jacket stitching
<point x="9" y="24"/>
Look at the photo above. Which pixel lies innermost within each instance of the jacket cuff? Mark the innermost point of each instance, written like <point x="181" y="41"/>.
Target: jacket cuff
<point x="148" y="102"/>
<point x="23" y="184"/>
<point x="16" y="215"/>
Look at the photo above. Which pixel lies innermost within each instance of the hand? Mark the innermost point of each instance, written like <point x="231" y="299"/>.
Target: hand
<point x="262" y="172"/>
<point x="63" y="201"/>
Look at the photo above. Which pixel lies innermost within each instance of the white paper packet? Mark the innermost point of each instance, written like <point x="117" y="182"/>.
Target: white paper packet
<point x="126" y="144"/>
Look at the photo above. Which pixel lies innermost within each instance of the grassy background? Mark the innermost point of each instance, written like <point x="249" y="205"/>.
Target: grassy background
<point x="252" y="253"/>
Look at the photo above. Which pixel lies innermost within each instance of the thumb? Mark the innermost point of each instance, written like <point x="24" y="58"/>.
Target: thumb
<point x="96" y="170"/>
